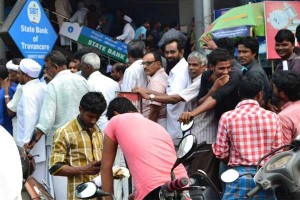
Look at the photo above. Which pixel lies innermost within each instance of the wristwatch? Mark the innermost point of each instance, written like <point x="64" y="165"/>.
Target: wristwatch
<point x="151" y="96"/>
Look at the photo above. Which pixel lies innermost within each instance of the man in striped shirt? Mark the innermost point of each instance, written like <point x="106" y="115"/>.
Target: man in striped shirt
<point x="77" y="146"/>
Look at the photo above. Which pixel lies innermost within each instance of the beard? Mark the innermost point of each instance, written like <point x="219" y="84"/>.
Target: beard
<point x="171" y="64"/>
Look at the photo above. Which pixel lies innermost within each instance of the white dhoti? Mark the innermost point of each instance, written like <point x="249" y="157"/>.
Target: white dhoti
<point x="58" y="184"/>
<point x="121" y="188"/>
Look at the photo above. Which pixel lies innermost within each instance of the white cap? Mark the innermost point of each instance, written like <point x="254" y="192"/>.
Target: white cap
<point x="127" y="19"/>
<point x="10" y="65"/>
<point x="30" y="67"/>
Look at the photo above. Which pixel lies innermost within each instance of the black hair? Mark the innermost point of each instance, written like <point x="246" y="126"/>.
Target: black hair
<point x="82" y="51"/>
<point x="146" y="20"/>
<point x="93" y="102"/>
<point x="3" y="72"/>
<point x="298" y="33"/>
<point x="120" y="105"/>
<point x="285" y="34"/>
<point x="218" y="55"/>
<point x="228" y="44"/>
<point x="250" y="85"/>
<point x="16" y="61"/>
<point x="156" y="55"/>
<point x="289" y="83"/>
<point x="56" y="57"/>
<point x="173" y="24"/>
<point x="178" y="42"/>
<point x="136" y="49"/>
<point x="251" y="43"/>
<point x="120" y="67"/>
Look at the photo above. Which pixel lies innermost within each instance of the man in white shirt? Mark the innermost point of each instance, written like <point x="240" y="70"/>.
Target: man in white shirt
<point x="197" y="64"/>
<point x="179" y="79"/>
<point x="28" y="112"/>
<point x="97" y="82"/>
<point x="128" y="31"/>
<point x="60" y="106"/>
<point x="134" y="75"/>
<point x="11" y="177"/>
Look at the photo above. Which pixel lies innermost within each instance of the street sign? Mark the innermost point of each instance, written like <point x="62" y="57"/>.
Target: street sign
<point x="28" y="32"/>
<point x="92" y="38"/>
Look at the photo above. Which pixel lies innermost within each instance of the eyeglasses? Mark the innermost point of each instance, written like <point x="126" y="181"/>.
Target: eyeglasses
<point x="147" y="63"/>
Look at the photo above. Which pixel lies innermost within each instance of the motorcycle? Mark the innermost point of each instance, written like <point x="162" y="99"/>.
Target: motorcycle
<point x="92" y="189"/>
<point x="34" y="189"/>
<point x="282" y="169"/>
<point x="205" y="189"/>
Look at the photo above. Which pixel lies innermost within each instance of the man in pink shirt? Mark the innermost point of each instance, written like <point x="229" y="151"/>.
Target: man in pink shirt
<point x="287" y="88"/>
<point x="147" y="147"/>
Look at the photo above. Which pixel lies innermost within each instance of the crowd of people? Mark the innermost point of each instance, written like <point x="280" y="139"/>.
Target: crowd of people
<point x="72" y="118"/>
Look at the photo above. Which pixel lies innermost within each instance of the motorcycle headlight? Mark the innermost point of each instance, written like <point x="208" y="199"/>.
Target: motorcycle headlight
<point x="280" y="163"/>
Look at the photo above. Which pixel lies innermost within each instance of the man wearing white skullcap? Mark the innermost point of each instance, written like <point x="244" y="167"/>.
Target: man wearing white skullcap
<point x="11" y="102"/>
<point x="28" y="112"/>
<point x="128" y="31"/>
<point x="12" y="81"/>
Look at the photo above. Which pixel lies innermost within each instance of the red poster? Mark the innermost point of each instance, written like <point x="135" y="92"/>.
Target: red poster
<point x="280" y="15"/>
<point x="135" y="98"/>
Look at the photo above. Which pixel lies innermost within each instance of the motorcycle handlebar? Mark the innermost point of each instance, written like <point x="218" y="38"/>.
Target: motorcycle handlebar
<point x="177" y="184"/>
<point x="201" y="144"/>
<point x="252" y="192"/>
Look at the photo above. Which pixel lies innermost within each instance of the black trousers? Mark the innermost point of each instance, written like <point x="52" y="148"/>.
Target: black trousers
<point x="153" y="195"/>
<point x="207" y="162"/>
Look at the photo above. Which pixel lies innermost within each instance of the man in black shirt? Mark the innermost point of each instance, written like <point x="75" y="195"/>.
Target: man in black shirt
<point x="222" y="99"/>
<point x="247" y="56"/>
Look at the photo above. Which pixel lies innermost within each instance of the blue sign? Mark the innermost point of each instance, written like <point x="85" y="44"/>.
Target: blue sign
<point x="32" y="32"/>
<point x="239" y="31"/>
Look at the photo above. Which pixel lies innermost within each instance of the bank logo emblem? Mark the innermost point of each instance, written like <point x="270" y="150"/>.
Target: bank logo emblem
<point x="70" y="29"/>
<point x="34" y="12"/>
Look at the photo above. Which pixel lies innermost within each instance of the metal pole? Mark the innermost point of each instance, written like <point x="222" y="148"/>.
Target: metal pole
<point x="2" y="49"/>
<point x="199" y="22"/>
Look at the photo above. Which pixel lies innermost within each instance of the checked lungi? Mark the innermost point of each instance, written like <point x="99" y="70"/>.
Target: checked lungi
<point x="239" y="188"/>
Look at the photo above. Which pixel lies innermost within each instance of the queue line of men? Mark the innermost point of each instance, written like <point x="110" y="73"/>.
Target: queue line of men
<point x="218" y="89"/>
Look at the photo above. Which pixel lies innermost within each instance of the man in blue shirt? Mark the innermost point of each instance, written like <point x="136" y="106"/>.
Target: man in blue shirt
<point x="5" y="120"/>
<point x="140" y="33"/>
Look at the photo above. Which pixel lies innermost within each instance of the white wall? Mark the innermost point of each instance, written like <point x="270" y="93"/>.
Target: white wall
<point x="186" y="13"/>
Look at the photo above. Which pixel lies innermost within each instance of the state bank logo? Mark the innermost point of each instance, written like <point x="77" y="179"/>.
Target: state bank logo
<point x="34" y="12"/>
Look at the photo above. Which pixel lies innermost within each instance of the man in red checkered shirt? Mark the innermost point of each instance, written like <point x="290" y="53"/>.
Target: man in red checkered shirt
<point x="246" y="134"/>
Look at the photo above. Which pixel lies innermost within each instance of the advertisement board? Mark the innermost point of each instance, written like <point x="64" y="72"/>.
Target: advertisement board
<point x="279" y="15"/>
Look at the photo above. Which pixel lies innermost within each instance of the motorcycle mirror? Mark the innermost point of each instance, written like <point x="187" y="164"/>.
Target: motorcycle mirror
<point x="186" y="127"/>
<point x="86" y="190"/>
<point x="230" y="175"/>
<point x="186" y="147"/>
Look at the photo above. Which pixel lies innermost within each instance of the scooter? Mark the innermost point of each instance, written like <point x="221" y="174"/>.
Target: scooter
<point x="282" y="169"/>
